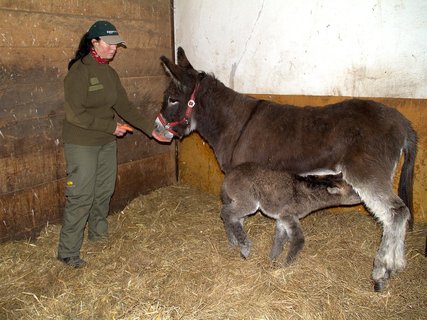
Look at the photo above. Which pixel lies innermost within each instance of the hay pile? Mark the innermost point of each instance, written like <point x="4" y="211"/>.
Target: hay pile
<point x="168" y="258"/>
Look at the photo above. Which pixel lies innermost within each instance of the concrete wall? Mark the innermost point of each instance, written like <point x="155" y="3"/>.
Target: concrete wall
<point x="310" y="52"/>
<point x="363" y="48"/>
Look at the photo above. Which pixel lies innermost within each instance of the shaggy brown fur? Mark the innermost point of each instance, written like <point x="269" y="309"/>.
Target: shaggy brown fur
<point x="279" y="195"/>
<point x="362" y="139"/>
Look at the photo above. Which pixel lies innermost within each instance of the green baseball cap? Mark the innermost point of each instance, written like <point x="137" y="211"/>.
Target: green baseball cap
<point x="106" y="31"/>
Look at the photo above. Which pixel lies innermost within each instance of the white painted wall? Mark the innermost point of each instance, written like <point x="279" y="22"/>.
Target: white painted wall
<point x="361" y="48"/>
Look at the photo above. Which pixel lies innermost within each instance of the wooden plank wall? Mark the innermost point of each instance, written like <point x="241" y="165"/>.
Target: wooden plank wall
<point x="37" y="38"/>
<point x="198" y="165"/>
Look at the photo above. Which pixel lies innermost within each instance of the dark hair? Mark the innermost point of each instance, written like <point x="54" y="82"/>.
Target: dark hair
<point x="83" y="50"/>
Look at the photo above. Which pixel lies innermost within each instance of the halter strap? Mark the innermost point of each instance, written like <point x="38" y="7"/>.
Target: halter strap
<point x="186" y="119"/>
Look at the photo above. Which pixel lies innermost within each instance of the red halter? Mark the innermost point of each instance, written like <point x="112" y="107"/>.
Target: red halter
<point x="186" y="119"/>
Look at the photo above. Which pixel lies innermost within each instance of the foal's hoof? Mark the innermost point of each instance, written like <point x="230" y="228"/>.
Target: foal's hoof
<point x="274" y="255"/>
<point x="245" y="250"/>
<point x="288" y="262"/>
<point x="232" y="243"/>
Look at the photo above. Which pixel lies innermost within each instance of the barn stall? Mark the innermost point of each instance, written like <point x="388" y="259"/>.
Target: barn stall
<point x="167" y="257"/>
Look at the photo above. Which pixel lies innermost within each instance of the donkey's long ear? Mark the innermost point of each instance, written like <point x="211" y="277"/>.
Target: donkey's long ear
<point x="182" y="59"/>
<point x="174" y="71"/>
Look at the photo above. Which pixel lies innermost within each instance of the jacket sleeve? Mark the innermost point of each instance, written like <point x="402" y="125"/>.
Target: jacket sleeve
<point x="75" y="93"/>
<point x="128" y="112"/>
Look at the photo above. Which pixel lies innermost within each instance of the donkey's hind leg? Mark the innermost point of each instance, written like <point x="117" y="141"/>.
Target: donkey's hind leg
<point x="233" y="218"/>
<point x="394" y="215"/>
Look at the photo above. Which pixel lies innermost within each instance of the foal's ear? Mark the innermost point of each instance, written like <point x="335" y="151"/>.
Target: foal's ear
<point x="182" y="59"/>
<point x="334" y="190"/>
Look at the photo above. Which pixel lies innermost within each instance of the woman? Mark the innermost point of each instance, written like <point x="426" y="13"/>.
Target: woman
<point x="93" y="93"/>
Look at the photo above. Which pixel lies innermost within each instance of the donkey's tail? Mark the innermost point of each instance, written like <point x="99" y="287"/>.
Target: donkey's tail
<point x="406" y="181"/>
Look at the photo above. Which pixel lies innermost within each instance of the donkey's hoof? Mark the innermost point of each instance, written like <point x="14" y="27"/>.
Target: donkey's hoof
<point x="379" y="286"/>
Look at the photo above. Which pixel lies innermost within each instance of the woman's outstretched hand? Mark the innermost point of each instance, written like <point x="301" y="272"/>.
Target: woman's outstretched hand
<point x="122" y="129"/>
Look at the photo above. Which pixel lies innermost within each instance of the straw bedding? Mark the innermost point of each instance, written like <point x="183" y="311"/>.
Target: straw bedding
<point x="168" y="258"/>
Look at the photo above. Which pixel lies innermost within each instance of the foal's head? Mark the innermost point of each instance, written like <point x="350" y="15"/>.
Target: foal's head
<point x="335" y="186"/>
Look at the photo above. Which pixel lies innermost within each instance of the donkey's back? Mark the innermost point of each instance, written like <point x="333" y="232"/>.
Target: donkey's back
<point x="333" y="136"/>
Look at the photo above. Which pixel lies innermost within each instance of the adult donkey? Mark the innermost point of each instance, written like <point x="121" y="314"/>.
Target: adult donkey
<point x="362" y="139"/>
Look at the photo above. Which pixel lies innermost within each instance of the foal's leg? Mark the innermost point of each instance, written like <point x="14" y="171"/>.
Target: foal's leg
<point x="394" y="215"/>
<point x="225" y="215"/>
<point x="280" y="239"/>
<point x="288" y="228"/>
<point x="233" y="216"/>
<point x="296" y="236"/>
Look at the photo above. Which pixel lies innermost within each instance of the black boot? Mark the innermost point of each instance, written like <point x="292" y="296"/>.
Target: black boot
<point x="74" y="262"/>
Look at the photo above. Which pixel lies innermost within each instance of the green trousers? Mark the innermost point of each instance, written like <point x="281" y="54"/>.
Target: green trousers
<point x="91" y="178"/>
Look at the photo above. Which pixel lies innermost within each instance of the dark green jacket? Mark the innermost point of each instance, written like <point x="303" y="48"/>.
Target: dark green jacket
<point x="93" y="92"/>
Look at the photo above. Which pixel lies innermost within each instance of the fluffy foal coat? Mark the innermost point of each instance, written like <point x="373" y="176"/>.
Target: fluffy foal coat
<point x="281" y="196"/>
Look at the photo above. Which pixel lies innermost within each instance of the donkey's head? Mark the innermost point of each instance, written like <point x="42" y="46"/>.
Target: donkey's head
<point x="175" y="117"/>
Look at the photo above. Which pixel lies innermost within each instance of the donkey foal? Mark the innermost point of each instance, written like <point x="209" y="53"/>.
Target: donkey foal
<point x="279" y="195"/>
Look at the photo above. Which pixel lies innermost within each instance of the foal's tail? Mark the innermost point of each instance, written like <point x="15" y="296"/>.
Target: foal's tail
<point x="406" y="181"/>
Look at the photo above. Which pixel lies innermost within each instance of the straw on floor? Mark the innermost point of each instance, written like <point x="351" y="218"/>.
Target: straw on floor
<point x="167" y="257"/>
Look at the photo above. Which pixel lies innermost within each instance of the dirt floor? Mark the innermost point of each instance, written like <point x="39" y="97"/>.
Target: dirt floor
<point x="168" y="258"/>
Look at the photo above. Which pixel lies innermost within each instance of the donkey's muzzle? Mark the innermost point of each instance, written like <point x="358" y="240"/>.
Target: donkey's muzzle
<point x="160" y="132"/>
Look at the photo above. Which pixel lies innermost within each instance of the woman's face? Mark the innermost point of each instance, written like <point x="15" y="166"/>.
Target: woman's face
<point x="103" y="49"/>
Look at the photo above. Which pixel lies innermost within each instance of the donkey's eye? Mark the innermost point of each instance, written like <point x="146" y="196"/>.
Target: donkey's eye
<point x="172" y="101"/>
